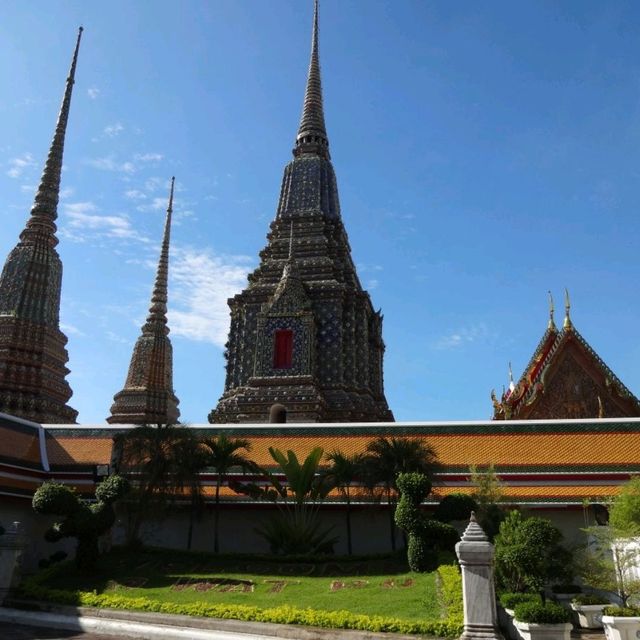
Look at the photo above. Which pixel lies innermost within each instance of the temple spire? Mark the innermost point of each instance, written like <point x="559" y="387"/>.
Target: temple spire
<point x="148" y="396"/>
<point x="312" y="134"/>
<point x="552" y="325"/>
<point x="157" y="318"/>
<point x="567" y="307"/>
<point x="45" y="206"/>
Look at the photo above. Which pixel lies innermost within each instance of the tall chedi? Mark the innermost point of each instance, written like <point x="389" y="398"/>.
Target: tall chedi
<point x="33" y="353"/>
<point x="304" y="333"/>
<point x="148" y="397"/>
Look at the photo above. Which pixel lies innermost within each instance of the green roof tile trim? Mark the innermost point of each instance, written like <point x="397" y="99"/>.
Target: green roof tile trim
<point x="512" y="427"/>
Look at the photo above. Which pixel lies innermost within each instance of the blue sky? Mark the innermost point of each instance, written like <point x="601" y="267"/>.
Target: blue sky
<point x="485" y="153"/>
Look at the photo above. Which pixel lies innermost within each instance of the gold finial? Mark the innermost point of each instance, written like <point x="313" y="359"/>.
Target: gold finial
<point x="552" y="325"/>
<point x="567" y="306"/>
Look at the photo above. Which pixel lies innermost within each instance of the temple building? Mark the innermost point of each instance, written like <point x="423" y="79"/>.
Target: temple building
<point x="148" y="396"/>
<point x="304" y="333"/>
<point x="565" y="378"/>
<point x="33" y="355"/>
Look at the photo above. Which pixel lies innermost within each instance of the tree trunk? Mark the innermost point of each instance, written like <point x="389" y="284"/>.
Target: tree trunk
<point x="216" y="518"/>
<point x="349" y="549"/>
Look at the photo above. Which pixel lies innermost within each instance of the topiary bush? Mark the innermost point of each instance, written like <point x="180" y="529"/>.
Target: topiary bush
<point x="84" y="521"/>
<point x="511" y="600"/>
<point x="621" y="612"/>
<point x="589" y="598"/>
<point x="538" y="613"/>
<point x="455" y="506"/>
<point x="425" y="536"/>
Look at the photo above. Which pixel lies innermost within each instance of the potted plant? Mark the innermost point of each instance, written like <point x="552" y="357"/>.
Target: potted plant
<point x="507" y="602"/>
<point x="611" y="560"/>
<point x="588" y="608"/>
<point x="538" y="621"/>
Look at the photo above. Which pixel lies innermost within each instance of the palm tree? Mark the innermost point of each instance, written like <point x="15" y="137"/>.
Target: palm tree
<point x="343" y="471"/>
<point x="160" y="464"/>
<point x="387" y="457"/>
<point x="223" y="454"/>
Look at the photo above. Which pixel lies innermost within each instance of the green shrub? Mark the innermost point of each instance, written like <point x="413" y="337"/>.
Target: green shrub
<point x="529" y="554"/>
<point x="622" y="612"/>
<point x="450" y="590"/>
<point x="589" y="598"/>
<point x="538" y="613"/>
<point x="425" y="536"/>
<point x="511" y="600"/>
<point x="455" y="506"/>
<point x="83" y="521"/>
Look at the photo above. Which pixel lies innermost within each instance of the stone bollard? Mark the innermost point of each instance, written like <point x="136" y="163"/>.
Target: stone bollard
<point x="475" y="554"/>
<point x="12" y="545"/>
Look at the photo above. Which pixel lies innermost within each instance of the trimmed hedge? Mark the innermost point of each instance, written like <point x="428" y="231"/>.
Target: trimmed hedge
<point x="621" y="612"/>
<point x="589" y="598"/>
<point x="447" y="628"/>
<point x="450" y="587"/>
<point x="511" y="600"/>
<point x="538" y="613"/>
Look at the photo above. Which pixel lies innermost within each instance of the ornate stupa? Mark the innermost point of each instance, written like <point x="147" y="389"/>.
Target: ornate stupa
<point x="33" y="354"/>
<point x="148" y="396"/>
<point x="304" y="333"/>
<point x="565" y="378"/>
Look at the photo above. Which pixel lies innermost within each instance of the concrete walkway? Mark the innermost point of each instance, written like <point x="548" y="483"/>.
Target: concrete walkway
<point x="89" y="623"/>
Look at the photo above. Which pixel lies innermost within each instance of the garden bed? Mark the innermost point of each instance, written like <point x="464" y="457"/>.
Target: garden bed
<point x="374" y="593"/>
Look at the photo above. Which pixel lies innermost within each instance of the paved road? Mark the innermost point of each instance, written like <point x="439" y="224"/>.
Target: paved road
<point x="19" y="632"/>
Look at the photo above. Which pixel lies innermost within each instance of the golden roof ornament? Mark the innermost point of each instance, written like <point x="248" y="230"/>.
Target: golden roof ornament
<point x="552" y="325"/>
<point x="567" y="306"/>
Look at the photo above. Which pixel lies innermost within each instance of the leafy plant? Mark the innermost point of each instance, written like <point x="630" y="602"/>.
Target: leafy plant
<point x="387" y="457"/>
<point x="529" y="554"/>
<point x="621" y="612"/>
<point x="342" y="473"/>
<point x="538" y="613"/>
<point x="610" y="560"/>
<point x="589" y="598"/>
<point x="84" y="521"/>
<point x="455" y="506"/>
<point x="425" y="536"/>
<point x="510" y="600"/>
<point x="488" y="495"/>
<point x="162" y="463"/>
<point x="223" y="454"/>
<point x="296" y="528"/>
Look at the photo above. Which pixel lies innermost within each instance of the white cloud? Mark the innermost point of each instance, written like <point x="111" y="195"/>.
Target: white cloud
<point x="19" y="164"/>
<point x="27" y="188"/>
<point x="148" y="157"/>
<point x="108" y="163"/>
<point x="372" y="284"/>
<point x="153" y="184"/>
<point x="66" y="192"/>
<point x="113" y="130"/>
<point x="84" y="217"/>
<point x="70" y="329"/>
<point x="155" y="205"/>
<point x="201" y="283"/>
<point x="93" y="92"/>
<point x="463" y="336"/>
<point x="135" y="194"/>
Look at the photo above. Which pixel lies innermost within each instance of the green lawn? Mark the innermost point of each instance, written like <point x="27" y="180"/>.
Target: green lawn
<point x="370" y="586"/>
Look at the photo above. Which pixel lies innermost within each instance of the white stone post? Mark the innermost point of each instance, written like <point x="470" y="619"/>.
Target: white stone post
<point x="475" y="554"/>
<point x="12" y="545"/>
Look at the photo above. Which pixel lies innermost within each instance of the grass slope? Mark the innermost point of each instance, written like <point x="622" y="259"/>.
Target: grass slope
<point x="369" y="586"/>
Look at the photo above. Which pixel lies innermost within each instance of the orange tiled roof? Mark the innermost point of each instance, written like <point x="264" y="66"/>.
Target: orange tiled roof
<point x="20" y="443"/>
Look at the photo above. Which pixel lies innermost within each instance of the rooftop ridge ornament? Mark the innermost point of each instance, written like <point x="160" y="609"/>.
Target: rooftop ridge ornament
<point x="45" y="205"/>
<point x="567" y="307"/>
<point x="474" y="532"/>
<point x="312" y="134"/>
<point x="157" y="318"/>
<point x="552" y="325"/>
<point x="512" y="385"/>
